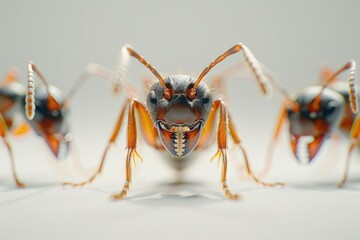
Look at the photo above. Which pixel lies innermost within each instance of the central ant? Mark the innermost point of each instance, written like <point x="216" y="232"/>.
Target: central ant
<point x="315" y="113"/>
<point x="180" y="117"/>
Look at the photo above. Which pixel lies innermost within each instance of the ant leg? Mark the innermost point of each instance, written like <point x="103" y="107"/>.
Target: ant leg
<point x="3" y="133"/>
<point x="147" y="82"/>
<point x="344" y="179"/>
<point x="131" y="146"/>
<point x="150" y="135"/>
<point x="111" y="141"/>
<point x="237" y="142"/>
<point x="221" y="154"/>
<point x="271" y="147"/>
<point x="148" y="130"/>
<point x="22" y="129"/>
<point x="354" y="140"/>
<point x="93" y="69"/>
<point x="218" y="84"/>
<point x="207" y="137"/>
<point x="19" y="184"/>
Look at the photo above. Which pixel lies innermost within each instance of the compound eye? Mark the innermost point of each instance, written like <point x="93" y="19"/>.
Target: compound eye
<point x="207" y="101"/>
<point x="331" y="110"/>
<point x="293" y="115"/>
<point x="152" y="101"/>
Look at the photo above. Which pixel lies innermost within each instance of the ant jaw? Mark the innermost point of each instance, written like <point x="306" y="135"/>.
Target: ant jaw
<point x="59" y="144"/>
<point x="178" y="139"/>
<point x="305" y="147"/>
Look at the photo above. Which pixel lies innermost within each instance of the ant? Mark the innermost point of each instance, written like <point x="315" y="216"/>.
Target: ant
<point x="315" y="113"/>
<point x="50" y="106"/>
<point x="180" y="117"/>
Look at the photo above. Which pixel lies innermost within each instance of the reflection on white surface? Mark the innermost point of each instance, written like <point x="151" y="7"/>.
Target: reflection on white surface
<point x="160" y="207"/>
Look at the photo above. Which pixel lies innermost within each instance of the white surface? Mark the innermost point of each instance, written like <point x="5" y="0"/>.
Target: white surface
<point x="309" y="207"/>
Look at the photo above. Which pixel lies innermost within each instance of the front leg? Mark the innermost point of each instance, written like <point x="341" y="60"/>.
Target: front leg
<point x="271" y="147"/>
<point x="131" y="147"/>
<point x="131" y="153"/>
<point x="225" y="125"/>
<point x="149" y="133"/>
<point x="222" y="147"/>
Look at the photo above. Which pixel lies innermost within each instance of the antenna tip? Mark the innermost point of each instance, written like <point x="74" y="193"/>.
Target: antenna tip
<point x="29" y="116"/>
<point x="354" y="107"/>
<point x="29" y="112"/>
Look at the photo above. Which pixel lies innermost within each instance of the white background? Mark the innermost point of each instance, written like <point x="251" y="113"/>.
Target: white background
<point x="293" y="39"/>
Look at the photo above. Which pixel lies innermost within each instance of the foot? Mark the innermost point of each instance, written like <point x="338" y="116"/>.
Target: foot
<point x="80" y="184"/>
<point x="119" y="196"/>
<point x="20" y="184"/>
<point x="231" y="196"/>
<point x="123" y="193"/>
<point x="342" y="183"/>
<point x="228" y="193"/>
<point x="265" y="184"/>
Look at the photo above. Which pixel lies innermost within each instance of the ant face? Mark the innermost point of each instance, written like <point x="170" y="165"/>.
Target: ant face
<point x="178" y="117"/>
<point x="310" y="123"/>
<point x="52" y="124"/>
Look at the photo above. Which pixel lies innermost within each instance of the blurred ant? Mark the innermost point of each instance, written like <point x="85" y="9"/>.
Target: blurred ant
<point x="180" y="117"/>
<point x="50" y="106"/>
<point x="315" y="113"/>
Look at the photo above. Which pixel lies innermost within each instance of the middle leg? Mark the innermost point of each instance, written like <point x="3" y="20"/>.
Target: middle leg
<point x="225" y="125"/>
<point x="109" y="144"/>
<point x="221" y="153"/>
<point x="238" y="143"/>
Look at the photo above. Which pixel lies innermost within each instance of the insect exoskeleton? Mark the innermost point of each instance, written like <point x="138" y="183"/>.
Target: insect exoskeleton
<point x="178" y="117"/>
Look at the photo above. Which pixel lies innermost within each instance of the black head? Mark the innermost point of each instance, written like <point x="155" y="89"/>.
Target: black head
<point x="178" y="116"/>
<point x="313" y="118"/>
<point x="50" y="122"/>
